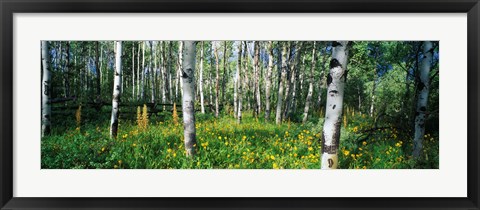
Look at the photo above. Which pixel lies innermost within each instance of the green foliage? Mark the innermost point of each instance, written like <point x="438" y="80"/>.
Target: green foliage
<point x="222" y="143"/>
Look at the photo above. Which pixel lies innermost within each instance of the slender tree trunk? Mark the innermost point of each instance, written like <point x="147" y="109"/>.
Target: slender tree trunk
<point x="217" y="78"/>
<point x="201" y="79"/>
<point x="321" y="79"/>
<point x="138" y="72"/>
<point x="256" y="67"/>
<point x="164" y="73"/>
<point x="333" y="114"/>
<point x="102" y="78"/>
<point x="133" y="71"/>
<point x="97" y="68"/>
<point x="169" y="71"/>
<point x="406" y="96"/>
<point x="281" y="84"/>
<point x="288" y="79"/>
<point x="239" y="83"/>
<point x="142" y="94"/>
<point x="152" y="71"/>
<point x="302" y="93"/>
<point x="180" y="65"/>
<point x="310" y="85"/>
<point x="46" y="81"/>
<point x="117" y="84"/>
<point x="224" y="76"/>
<point x="372" y="102"/>
<point x="293" y="80"/>
<point x="188" y="80"/>
<point x="210" y="87"/>
<point x="246" y="82"/>
<point x="268" y="80"/>
<point x="422" y="100"/>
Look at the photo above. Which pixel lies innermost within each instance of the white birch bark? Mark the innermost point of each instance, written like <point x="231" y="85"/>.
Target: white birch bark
<point x="372" y="102"/>
<point x="133" y="71"/>
<point x="180" y="65"/>
<point x="117" y="84"/>
<point x="46" y="80"/>
<point x="169" y="71"/>
<point x="422" y="100"/>
<point x="281" y="84"/>
<point x="188" y="100"/>
<point x="333" y="114"/>
<point x="201" y="80"/>
<point x="225" y="71"/>
<point x="293" y="80"/>
<point x="256" y="67"/>
<point x="152" y="70"/>
<point x="239" y="83"/>
<point x="310" y="85"/>
<point x="268" y="80"/>
<point x="217" y="80"/>
<point x="163" y="72"/>
<point x="142" y="94"/>
<point x="235" y="86"/>
<point x="138" y="72"/>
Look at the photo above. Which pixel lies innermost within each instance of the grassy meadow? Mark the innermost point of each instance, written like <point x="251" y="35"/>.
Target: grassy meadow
<point x="156" y="142"/>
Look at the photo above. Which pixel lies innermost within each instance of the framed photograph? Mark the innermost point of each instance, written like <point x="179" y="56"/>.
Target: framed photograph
<point x="239" y="105"/>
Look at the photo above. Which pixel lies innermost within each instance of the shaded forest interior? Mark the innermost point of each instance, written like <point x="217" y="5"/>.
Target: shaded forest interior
<point x="252" y="104"/>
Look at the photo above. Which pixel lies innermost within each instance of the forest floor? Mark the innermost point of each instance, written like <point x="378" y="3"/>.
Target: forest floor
<point x="224" y="144"/>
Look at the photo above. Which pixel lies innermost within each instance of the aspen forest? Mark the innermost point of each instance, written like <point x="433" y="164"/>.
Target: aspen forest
<point x="239" y="104"/>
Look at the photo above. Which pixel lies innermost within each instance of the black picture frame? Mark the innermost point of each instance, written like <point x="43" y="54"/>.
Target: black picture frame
<point x="9" y="7"/>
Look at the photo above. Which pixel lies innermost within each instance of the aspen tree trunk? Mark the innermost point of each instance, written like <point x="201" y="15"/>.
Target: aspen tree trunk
<point x="310" y="85"/>
<point x="117" y="84"/>
<point x="97" y="68"/>
<point x="289" y="62"/>
<point x="422" y="100"/>
<point x="201" y="79"/>
<point x="224" y="76"/>
<point x="268" y="80"/>
<point x="101" y="64"/>
<point x="256" y="67"/>
<point x="302" y="93"/>
<point x="133" y="71"/>
<point x="278" y="118"/>
<point x="177" y="83"/>
<point x="163" y="72"/>
<point x="142" y="94"/>
<point x="188" y="100"/>
<point x="375" y="76"/>
<point x="333" y="114"/>
<point x="169" y="70"/>
<point x="46" y="80"/>
<point x="152" y="71"/>
<point x="180" y="65"/>
<point x="235" y="90"/>
<point x="321" y="79"/>
<point x="239" y="83"/>
<point x="372" y="102"/>
<point x="246" y="79"/>
<point x="138" y="72"/>
<point x="210" y="91"/>
<point x="293" y="80"/>
<point x="217" y="78"/>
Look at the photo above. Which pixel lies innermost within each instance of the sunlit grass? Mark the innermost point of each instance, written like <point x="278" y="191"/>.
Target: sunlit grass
<point x="224" y="144"/>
